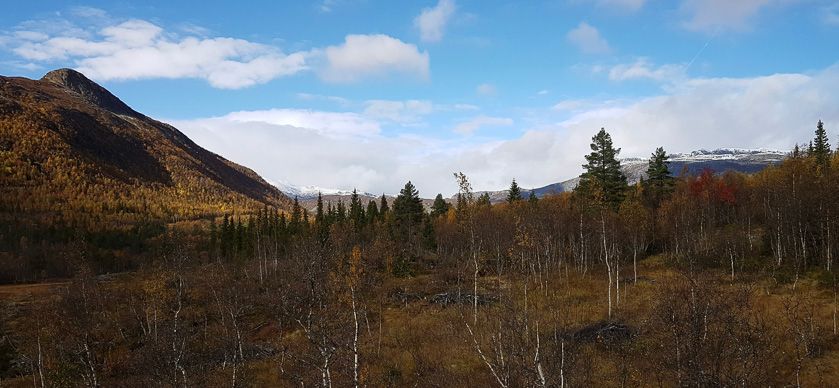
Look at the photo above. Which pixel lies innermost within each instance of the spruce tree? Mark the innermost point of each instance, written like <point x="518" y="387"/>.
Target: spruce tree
<point x="321" y="222"/>
<point x="226" y="236"/>
<point x="320" y="219"/>
<point x="659" y="182"/>
<point x="356" y="210"/>
<point x="483" y="200"/>
<point x="340" y="212"/>
<point x="372" y="212"/>
<point x="383" y="207"/>
<point x="408" y="214"/>
<point x="532" y="198"/>
<point x="603" y="171"/>
<point x="462" y="205"/>
<point x="440" y="207"/>
<point x="514" y="194"/>
<point x="407" y="208"/>
<point x="821" y="146"/>
<point x="296" y="216"/>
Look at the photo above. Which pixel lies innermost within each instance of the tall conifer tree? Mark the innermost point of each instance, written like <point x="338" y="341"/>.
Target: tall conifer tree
<point x="514" y="194"/>
<point x="603" y="171"/>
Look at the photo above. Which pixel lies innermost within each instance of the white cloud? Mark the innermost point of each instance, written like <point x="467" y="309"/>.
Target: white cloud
<point x="34" y="36"/>
<point x="643" y="69"/>
<point x="486" y="90"/>
<point x="717" y="16"/>
<point x="405" y="112"/>
<point x="631" y="5"/>
<point x="331" y="124"/>
<point x="362" y="56"/>
<point x="773" y="111"/>
<point x="465" y="107"/>
<point x="344" y="102"/>
<point x="138" y="49"/>
<point x="432" y="21"/>
<point x="89" y="12"/>
<point x="588" y="39"/>
<point x="469" y="127"/>
<point x="571" y="105"/>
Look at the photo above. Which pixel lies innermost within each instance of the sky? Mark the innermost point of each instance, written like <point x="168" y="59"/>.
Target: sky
<point x="369" y="94"/>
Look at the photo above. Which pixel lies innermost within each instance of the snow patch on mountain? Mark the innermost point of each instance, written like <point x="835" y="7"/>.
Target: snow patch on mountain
<point x="310" y="192"/>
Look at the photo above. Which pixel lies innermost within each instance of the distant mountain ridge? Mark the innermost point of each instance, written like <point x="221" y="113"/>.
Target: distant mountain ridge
<point x="68" y="144"/>
<point x="719" y="160"/>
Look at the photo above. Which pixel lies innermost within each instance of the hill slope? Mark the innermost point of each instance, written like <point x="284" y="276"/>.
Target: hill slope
<point x="70" y="147"/>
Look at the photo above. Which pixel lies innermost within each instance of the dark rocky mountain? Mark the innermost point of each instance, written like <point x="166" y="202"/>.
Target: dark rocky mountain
<point x="67" y="145"/>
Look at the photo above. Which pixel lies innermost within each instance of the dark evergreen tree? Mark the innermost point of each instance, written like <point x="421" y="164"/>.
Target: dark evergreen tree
<point x="483" y="200"/>
<point x="240" y="236"/>
<point x="659" y="182"/>
<point x="603" y="171"/>
<point x="383" y="207"/>
<point x="440" y="206"/>
<point x="821" y="146"/>
<point x="320" y="217"/>
<point x="356" y="211"/>
<point x="340" y="212"/>
<point x="226" y="236"/>
<point x="532" y="198"/>
<point x="372" y="212"/>
<point x="330" y="213"/>
<point x="428" y="239"/>
<point x="407" y="208"/>
<point x="461" y="205"/>
<point x="514" y="194"/>
<point x="296" y="216"/>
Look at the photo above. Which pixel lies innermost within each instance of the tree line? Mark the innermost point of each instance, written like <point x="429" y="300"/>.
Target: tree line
<point x="611" y="283"/>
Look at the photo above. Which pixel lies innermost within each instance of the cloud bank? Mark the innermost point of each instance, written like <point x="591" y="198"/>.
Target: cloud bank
<point x="138" y="49"/>
<point x="346" y="150"/>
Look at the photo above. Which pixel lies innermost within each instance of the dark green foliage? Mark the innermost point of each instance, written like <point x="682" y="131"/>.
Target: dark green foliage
<point x="383" y="206"/>
<point x="440" y="206"/>
<point x="461" y="205"/>
<point x="356" y="211"/>
<point x="320" y="218"/>
<point x="296" y="216"/>
<point x="603" y="179"/>
<point x="372" y="212"/>
<point x="821" y="147"/>
<point x="532" y="198"/>
<point x="429" y="241"/>
<point x="659" y="183"/>
<point x="408" y="214"/>
<point x="514" y="194"/>
<point x="407" y="208"/>
<point x="483" y="200"/>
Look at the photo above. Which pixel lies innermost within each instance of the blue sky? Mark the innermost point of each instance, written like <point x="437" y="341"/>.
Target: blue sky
<point x="369" y="94"/>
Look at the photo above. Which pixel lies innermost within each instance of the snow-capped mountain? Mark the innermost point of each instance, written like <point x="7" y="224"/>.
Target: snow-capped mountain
<point x="311" y="192"/>
<point x="720" y="160"/>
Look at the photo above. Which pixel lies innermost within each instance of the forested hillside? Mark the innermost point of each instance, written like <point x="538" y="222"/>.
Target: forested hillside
<point x="80" y="167"/>
<point x="695" y="280"/>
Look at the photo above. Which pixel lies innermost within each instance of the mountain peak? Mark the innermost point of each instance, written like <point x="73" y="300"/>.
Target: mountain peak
<point x="78" y="83"/>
